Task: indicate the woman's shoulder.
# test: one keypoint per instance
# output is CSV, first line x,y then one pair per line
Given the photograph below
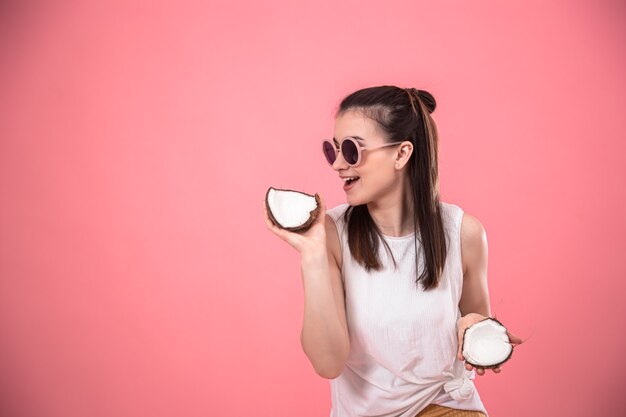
x,y
450,209
452,215
463,223
448,206
337,211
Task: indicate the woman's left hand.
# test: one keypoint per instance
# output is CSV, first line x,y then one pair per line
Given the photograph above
x,y
467,321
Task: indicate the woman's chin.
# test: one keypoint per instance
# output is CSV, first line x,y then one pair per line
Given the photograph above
x,y
354,200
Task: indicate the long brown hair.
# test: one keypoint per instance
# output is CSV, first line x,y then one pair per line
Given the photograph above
x,y
403,114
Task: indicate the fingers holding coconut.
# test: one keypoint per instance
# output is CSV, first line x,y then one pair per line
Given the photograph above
x,y
515,340
481,371
281,233
292,238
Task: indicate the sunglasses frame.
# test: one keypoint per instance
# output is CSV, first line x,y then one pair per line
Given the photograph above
x,y
359,148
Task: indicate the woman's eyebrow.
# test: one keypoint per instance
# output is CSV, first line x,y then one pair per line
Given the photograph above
x,y
358,139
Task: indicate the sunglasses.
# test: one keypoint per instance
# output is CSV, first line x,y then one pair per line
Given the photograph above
x,y
350,149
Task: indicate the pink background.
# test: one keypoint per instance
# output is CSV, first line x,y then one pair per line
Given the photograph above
x,y
137,140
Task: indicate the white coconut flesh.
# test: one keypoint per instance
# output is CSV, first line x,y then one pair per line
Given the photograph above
x,y
486,343
290,208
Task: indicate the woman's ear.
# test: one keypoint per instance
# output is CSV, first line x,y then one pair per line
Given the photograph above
x,y
405,151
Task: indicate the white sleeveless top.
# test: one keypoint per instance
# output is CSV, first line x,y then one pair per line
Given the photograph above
x,y
403,340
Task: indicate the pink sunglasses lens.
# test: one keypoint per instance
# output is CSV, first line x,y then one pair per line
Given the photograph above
x,y
329,152
350,151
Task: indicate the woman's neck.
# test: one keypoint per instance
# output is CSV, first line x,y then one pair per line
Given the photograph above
x,y
391,217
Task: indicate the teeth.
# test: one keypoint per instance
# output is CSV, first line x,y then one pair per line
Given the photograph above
x,y
349,178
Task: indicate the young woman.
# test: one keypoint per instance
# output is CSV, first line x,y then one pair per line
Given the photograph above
x,y
386,326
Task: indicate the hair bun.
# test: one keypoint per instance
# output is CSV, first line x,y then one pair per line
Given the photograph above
x,y
428,100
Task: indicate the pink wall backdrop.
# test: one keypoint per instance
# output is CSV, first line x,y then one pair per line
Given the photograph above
x,y
137,140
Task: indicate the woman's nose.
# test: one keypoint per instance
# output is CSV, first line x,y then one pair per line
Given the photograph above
x,y
339,162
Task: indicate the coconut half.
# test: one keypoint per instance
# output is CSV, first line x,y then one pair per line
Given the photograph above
x,y
292,210
486,344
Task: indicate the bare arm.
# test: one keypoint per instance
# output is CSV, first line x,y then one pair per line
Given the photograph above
x,y
324,334
474,304
475,296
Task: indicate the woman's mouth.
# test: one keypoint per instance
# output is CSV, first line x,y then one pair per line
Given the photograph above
x,y
350,183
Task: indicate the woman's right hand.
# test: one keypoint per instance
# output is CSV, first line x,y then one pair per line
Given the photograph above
x,y
313,240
